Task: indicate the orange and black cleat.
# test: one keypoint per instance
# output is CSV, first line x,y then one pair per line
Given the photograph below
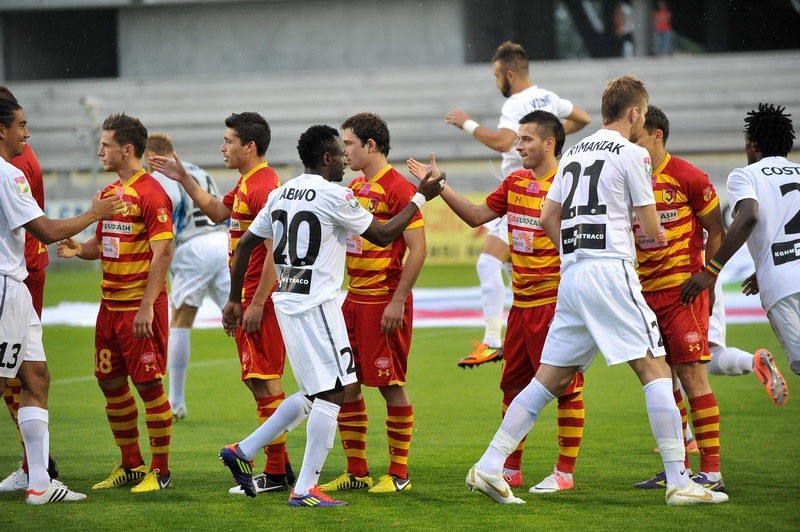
x,y
481,355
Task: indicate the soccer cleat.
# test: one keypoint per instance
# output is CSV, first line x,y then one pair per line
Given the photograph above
x,y
180,413
481,355
693,494
552,483
657,482
493,486
16,481
514,480
391,484
153,481
314,498
691,447
347,481
263,484
770,376
713,485
56,492
120,476
241,468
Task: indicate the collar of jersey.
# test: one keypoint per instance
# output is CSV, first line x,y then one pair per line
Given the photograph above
x,y
546,176
663,164
254,170
381,173
132,180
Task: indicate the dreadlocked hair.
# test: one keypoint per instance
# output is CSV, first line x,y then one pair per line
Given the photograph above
x,y
769,130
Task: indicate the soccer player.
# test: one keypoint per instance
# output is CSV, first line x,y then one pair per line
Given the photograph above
x,y
535,284
259,342
378,309
135,249
21,351
36,260
687,206
600,307
514,82
305,223
766,200
199,266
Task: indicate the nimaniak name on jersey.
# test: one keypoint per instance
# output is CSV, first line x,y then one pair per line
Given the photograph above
x,y
604,145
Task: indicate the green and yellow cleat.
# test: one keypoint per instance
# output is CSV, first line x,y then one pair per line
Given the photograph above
x,y
120,476
347,481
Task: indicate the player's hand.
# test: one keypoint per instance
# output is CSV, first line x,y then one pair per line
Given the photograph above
x,y
68,248
143,322
251,321
419,170
392,317
750,286
231,317
430,186
172,167
457,117
692,286
103,209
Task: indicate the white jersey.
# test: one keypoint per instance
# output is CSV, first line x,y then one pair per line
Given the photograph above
x,y
308,219
17,207
598,183
518,105
188,220
774,182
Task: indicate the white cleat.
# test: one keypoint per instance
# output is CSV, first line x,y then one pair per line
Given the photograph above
x,y
16,481
180,413
56,492
493,486
694,493
553,483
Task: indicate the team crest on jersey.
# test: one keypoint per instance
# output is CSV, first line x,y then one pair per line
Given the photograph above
x,y
148,358
707,193
352,201
22,186
648,167
692,337
162,215
383,363
668,196
372,206
534,187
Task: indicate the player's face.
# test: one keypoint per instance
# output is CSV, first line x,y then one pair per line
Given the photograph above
x,y
111,153
638,124
750,150
647,140
530,146
17,134
338,162
356,152
501,78
233,151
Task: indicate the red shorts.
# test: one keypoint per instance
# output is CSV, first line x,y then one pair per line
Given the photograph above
x,y
381,359
262,354
118,354
684,328
35,283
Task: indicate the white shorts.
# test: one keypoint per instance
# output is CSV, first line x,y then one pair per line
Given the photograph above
x,y
717,326
200,266
784,316
20,328
498,228
318,348
600,308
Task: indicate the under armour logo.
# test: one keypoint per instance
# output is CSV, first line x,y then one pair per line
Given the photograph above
x,y
694,347
383,373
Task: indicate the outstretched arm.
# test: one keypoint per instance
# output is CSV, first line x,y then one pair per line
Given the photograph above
x,y
173,168
48,231
497,139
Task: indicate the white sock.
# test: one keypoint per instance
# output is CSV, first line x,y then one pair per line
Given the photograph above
x,y
320,430
287,416
665,422
33,424
180,350
729,361
518,421
493,294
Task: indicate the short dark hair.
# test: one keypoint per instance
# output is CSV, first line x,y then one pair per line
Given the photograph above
x,y
769,130
550,124
7,108
251,127
160,144
620,94
315,142
513,57
656,119
127,130
5,94
367,126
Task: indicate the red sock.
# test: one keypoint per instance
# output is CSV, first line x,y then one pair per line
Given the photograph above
x,y
705,420
123,416
571,416
158,415
684,423
276,450
399,428
353,431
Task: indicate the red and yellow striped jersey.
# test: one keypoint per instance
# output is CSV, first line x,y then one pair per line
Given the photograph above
x,y
125,239
375,271
683,194
534,258
244,201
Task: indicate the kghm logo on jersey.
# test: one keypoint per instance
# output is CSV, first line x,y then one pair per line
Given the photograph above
x,y
783,252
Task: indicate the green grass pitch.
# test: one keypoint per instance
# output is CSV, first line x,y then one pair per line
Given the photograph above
x,y
456,414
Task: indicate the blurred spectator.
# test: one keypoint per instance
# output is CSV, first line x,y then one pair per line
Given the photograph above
x,y
662,22
623,27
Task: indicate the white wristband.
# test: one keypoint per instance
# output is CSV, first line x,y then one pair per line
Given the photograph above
x,y
470,126
418,200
